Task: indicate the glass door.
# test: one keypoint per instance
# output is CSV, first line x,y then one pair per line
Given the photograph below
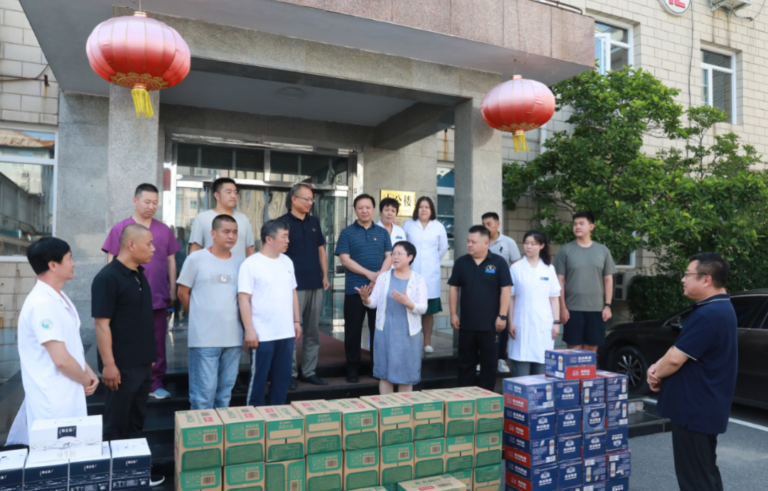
x,y
331,209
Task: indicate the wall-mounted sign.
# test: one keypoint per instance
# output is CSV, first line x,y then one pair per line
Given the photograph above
x,y
406,199
676,7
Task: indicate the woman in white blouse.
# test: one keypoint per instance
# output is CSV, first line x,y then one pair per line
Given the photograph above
x,y
534,309
431,241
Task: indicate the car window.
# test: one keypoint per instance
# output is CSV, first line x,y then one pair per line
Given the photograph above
x,y
745,308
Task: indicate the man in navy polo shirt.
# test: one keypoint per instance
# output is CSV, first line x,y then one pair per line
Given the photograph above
x,y
697,377
364,249
307,251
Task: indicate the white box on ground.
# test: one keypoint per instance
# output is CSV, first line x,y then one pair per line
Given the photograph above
x,y
91,473
41,474
65,438
131,463
12,469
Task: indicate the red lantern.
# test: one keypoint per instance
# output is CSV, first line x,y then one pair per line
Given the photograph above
x,y
518,106
140,54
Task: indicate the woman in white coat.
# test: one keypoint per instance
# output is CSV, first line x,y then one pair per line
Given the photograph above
x,y
431,241
534,309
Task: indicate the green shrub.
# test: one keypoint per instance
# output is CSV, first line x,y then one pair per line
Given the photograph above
x,y
655,297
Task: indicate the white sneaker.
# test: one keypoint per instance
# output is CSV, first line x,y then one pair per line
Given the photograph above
x,y
503,368
428,349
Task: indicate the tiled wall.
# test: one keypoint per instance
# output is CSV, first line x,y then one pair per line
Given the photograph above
x,y
16,281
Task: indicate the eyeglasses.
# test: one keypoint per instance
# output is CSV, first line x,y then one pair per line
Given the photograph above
x,y
308,200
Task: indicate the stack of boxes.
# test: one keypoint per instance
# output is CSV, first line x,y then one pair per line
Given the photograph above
x,y
567,429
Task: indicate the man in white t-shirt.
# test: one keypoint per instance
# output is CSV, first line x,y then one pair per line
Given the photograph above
x,y
269,309
54,373
225,191
208,292
388,209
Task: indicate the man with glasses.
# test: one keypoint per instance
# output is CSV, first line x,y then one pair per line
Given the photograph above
x,y
696,378
307,251
225,191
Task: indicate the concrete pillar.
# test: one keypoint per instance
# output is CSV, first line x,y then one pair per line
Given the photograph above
x,y
133,152
477,171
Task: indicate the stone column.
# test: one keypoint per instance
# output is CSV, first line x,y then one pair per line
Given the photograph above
x,y
133,152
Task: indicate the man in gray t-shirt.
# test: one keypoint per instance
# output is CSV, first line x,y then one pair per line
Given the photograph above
x,y
208,292
585,270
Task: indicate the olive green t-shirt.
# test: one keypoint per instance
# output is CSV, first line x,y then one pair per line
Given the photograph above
x,y
584,269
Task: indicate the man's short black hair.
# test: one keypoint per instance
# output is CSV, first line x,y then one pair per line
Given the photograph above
x,y
363,196
389,202
480,229
491,214
410,249
220,182
584,214
218,222
272,227
712,264
45,250
150,188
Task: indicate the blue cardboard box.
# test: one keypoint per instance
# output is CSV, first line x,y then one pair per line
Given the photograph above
x,y
569,447
617,439
528,394
619,465
542,478
131,463
51,475
574,488
595,486
569,420
12,470
616,386
593,391
570,364
533,452
91,473
530,426
566,392
594,444
617,414
594,418
617,485
570,473
594,469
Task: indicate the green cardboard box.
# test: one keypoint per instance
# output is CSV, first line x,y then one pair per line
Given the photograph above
x,y
443,482
360,425
322,425
429,458
198,440
459,453
395,419
199,480
464,476
284,433
487,478
396,464
325,471
361,468
243,435
459,411
249,477
428,415
286,475
488,449
489,409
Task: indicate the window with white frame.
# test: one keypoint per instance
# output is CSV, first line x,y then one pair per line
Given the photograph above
x,y
613,47
445,192
27,188
719,82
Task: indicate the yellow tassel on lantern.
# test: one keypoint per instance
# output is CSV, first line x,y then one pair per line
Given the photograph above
x,y
520,142
141,101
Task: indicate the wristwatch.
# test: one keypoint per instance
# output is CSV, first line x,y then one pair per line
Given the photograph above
x,y
609,305
558,322
503,317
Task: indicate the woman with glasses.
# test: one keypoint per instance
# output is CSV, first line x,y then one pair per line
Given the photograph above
x,y
534,309
400,298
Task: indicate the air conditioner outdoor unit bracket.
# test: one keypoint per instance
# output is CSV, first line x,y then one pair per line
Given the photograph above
x,y
730,6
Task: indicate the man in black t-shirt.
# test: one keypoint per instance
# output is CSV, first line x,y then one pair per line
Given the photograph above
x,y
485,283
125,334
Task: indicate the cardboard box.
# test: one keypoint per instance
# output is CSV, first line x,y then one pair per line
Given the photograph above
x,y
570,364
199,479
442,482
569,420
286,475
569,446
43,474
594,418
459,411
65,438
488,447
570,473
12,470
131,464
529,394
373,488
592,391
243,435
594,470
360,425
249,476
595,486
616,414
464,476
530,426
487,478
325,471
429,458
593,444
567,392
617,485
533,453
428,415
526,478
489,409
617,439
459,453
284,433
395,419
91,473
361,468
619,465
616,386
198,440
396,465
322,425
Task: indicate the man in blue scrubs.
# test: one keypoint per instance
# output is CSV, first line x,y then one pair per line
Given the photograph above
x,y
697,377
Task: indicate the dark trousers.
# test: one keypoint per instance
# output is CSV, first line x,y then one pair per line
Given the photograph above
x,y
354,312
126,408
695,460
478,347
273,360
503,343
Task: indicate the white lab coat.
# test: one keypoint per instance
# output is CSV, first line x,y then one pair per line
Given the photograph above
x,y
396,235
431,245
533,318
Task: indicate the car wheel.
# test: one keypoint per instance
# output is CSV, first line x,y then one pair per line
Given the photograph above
x,y
631,362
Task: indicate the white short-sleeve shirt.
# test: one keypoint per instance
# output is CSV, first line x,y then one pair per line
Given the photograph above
x,y
271,283
203,224
396,235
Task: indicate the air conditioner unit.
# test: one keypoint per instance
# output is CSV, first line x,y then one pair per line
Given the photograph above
x,y
730,6
621,282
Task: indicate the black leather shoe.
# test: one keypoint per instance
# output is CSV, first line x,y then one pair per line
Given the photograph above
x,y
353,379
294,384
315,380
